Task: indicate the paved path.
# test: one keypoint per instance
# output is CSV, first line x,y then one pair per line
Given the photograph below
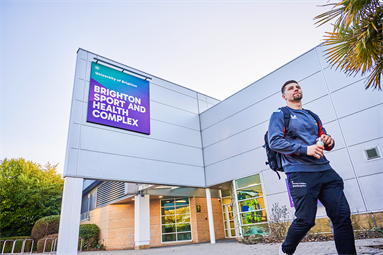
x,y
232,247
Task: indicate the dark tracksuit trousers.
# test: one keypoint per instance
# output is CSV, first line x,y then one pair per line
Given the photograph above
x,y
327,186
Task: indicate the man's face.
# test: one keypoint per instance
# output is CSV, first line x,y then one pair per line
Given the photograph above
x,y
293,92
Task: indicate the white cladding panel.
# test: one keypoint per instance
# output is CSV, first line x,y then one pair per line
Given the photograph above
x,y
340,162
373,190
353,196
362,166
298,69
171,154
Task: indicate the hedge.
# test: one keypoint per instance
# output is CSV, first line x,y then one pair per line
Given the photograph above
x,y
89,232
18,246
45,226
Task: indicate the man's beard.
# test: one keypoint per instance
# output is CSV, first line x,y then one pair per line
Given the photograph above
x,y
298,97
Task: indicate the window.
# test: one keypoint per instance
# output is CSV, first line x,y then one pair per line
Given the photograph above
x,y
175,220
251,205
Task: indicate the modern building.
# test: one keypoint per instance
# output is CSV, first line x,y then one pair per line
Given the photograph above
x,y
181,166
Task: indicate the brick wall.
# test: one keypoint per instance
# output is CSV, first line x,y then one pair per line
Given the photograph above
x,y
200,223
116,224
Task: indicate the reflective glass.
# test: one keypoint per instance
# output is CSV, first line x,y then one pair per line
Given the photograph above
x,y
233,232
247,181
183,218
167,202
231,215
168,228
225,193
184,236
183,210
262,229
231,224
252,204
169,238
183,227
182,202
226,200
253,217
168,211
251,192
168,219
226,233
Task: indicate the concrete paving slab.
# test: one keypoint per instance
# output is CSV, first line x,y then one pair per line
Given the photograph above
x,y
232,247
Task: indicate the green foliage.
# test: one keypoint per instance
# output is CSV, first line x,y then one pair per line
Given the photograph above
x,y
28,192
357,38
18,245
89,232
45,226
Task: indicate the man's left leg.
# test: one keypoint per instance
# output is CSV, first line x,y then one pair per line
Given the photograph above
x,y
338,210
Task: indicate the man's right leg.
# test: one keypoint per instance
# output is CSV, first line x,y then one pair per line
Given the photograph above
x,y
304,190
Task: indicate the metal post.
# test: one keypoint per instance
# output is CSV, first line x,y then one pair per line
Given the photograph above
x,y
210,215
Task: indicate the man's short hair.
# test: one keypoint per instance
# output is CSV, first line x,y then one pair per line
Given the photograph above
x,y
287,83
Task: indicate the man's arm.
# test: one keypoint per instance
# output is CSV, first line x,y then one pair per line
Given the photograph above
x,y
276,140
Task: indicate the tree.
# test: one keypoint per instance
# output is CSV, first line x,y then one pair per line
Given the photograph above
x,y
28,192
357,38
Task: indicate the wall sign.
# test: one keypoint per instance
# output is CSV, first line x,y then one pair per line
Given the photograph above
x,y
118,99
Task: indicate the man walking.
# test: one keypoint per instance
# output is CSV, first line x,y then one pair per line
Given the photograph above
x,y
309,173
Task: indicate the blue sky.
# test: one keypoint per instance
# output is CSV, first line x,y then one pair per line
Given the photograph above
x,y
214,47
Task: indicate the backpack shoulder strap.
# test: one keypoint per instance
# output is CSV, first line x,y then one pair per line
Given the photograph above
x,y
316,117
286,117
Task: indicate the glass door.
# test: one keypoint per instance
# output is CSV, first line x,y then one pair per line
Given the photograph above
x,y
229,221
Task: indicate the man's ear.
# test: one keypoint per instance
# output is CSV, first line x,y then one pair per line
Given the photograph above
x,y
284,97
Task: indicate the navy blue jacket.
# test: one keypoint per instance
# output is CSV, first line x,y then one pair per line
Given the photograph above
x,y
294,150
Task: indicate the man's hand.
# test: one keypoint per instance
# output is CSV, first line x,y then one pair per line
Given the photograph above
x,y
315,150
328,141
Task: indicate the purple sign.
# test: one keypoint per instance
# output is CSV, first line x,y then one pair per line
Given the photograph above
x,y
118,99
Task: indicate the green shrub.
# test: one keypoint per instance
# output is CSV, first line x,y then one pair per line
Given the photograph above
x,y
89,232
18,245
45,226
49,243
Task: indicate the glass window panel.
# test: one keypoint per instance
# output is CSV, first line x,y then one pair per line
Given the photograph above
x,y
169,238
182,202
167,202
253,217
252,204
225,193
251,192
183,227
224,215
168,219
233,232
262,229
184,236
226,233
231,224
226,200
167,211
168,228
247,181
183,210
230,215
183,218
